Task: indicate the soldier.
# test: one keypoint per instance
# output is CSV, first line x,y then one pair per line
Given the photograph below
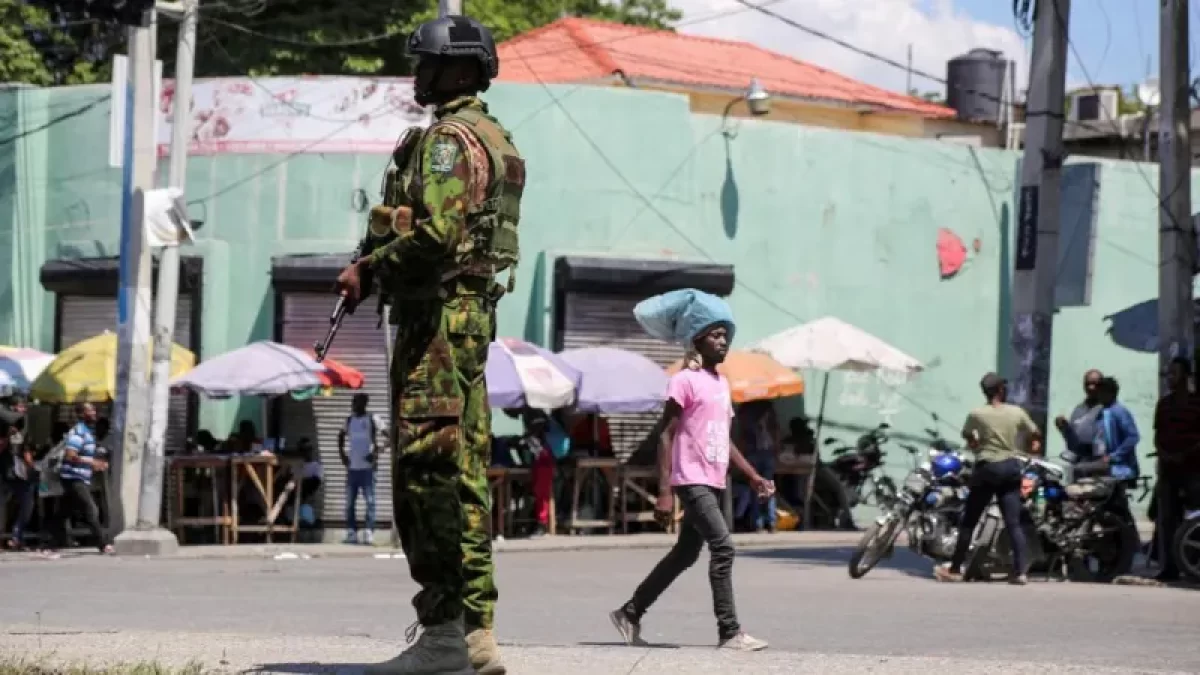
x,y
447,228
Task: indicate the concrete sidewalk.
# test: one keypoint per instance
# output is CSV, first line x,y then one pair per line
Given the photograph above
x,y
547,544
217,653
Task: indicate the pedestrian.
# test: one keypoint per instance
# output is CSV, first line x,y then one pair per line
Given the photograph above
x,y
80,464
995,432
448,226
361,461
695,450
19,479
1079,429
760,437
1177,440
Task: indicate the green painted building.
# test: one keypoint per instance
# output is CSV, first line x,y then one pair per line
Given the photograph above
x,y
629,192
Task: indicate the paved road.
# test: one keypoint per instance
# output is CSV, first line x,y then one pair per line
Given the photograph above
x,y
553,615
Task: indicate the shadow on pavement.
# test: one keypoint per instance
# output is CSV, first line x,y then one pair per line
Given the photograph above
x,y
648,645
310,668
902,560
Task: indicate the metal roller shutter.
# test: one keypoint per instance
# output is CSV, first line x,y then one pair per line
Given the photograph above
x,y
361,345
86,316
595,320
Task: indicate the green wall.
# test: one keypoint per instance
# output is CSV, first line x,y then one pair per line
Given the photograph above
x,y
816,222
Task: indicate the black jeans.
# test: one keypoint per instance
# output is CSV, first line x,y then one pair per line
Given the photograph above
x,y
23,493
1177,492
703,521
77,500
1001,480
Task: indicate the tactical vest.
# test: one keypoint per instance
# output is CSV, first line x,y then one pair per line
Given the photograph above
x,y
491,245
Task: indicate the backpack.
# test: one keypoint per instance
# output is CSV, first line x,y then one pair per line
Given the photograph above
x,y
374,426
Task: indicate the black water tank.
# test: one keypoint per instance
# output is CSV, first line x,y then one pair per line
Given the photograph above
x,y
975,85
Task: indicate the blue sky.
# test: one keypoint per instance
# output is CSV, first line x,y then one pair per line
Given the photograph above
x,y
1112,37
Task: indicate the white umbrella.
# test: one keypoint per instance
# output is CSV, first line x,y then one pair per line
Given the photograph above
x,y
20,366
830,344
259,369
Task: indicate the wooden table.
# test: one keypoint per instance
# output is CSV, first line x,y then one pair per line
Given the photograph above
x,y
222,518
260,470
641,484
500,482
591,467
803,466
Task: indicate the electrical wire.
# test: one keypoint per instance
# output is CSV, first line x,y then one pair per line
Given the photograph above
x,y
682,234
54,121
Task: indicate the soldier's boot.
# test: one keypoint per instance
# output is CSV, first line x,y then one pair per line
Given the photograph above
x,y
484,652
441,650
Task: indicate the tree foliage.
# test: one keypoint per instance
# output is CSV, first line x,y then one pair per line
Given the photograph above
x,y
49,42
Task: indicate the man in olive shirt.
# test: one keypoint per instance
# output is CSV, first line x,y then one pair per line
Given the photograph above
x,y
995,432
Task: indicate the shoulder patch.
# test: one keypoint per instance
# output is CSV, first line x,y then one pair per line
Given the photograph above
x,y
443,154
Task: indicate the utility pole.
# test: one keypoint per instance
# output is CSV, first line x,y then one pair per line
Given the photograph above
x,y
1176,238
450,7
1038,222
148,538
129,419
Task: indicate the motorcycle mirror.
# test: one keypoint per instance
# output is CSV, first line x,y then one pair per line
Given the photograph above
x,y
884,425
934,416
829,441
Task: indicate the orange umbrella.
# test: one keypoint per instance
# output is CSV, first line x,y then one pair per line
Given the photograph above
x,y
339,375
755,377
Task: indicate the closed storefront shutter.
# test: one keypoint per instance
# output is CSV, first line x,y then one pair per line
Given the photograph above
x,y
86,316
360,345
606,320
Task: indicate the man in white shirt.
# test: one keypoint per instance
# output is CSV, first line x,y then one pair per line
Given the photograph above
x,y
362,430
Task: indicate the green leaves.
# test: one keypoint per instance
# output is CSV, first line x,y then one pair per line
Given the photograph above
x,y
51,43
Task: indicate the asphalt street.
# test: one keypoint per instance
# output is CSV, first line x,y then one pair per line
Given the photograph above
x,y
305,615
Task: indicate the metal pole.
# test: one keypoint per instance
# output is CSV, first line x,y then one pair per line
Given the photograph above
x,y
908,90
166,299
1177,242
1038,224
389,344
129,419
450,7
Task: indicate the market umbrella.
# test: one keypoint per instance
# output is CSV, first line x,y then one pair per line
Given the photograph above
x,y
520,374
87,372
259,369
755,377
20,366
831,344
616,381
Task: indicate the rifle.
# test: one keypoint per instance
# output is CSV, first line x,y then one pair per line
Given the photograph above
x,y
343,306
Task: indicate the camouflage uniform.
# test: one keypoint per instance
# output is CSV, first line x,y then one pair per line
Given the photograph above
x,y
462,180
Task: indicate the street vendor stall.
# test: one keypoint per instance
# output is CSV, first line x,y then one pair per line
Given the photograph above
x,y
830,344
260,369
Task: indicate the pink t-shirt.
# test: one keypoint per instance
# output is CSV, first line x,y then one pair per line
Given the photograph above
x,y
700,453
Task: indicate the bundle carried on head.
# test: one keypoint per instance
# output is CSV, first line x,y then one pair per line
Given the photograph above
x,y
683,316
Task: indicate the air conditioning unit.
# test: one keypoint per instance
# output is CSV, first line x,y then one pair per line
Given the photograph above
x,y
1095,105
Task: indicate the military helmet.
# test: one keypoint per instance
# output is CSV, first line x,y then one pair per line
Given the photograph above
x,y
456,36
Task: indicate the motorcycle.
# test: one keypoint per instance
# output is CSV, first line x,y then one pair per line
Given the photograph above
x,y
1082,528
859,469
928,508
1187,545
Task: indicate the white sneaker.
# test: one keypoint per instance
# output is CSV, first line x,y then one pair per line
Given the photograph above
x,y
743,643
351,537
441,650
369,538
630,632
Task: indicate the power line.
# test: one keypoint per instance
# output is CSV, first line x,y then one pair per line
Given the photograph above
x,y
54,121
896,64
649,204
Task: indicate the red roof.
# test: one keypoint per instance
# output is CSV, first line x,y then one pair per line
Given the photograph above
x,y
578,50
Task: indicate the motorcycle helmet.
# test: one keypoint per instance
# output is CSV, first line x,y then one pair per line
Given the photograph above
x,y
945,465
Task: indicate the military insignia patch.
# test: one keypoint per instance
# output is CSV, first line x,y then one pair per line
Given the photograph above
x,y
443,155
